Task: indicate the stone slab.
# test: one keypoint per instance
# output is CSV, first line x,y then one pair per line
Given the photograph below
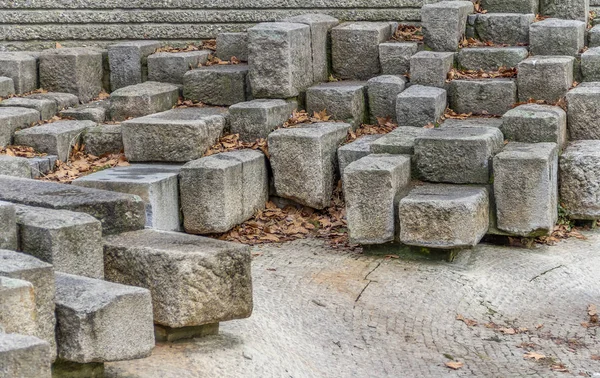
x,y
430,68
420,105
15,166
444,24
46,108
504,28
142,99
490,58
486,96
545,77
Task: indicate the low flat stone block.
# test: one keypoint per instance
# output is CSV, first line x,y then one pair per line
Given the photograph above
x,y
504,28
220,85
590,64
444,24
545,77
99,321
15,118
566,9
511,6
395,57
231,45
256,119
431,68
532,123
382,92
129,62
94,111
398,142
103,139
46,108
419,105
490,58
356,150
24,356
343,100
62,100
487,96
557,37
580,179
21,68
193,280
583,112
7,87
167,67
15,166
8,226
142,99
18,313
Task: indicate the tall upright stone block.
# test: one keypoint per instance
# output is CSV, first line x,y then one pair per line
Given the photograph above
x,y
8,226
444,24
557,37
344,101
566,9
21,68
545,77
129,62
166,67
24,356
580,179
590,65
431,68
382,93
231,45
583,112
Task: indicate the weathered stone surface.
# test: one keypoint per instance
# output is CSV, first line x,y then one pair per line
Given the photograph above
x,y
256,119
356,150
15,166
398,142
526,188
486,96
567,9
419,105
72,70
99,321
8,226
62,100
444,24
395,57
21,68
557,37
382,92
142,99
129,62
94,111
193,280
7,87
279,58
511,6
14,118
461,155
473,122
504,28
24,356
532,123
42,165
167,67
545,77
46,108
594,36
490,58
177,135
18,313
118,212
429,216
355,49
304,162
343,100
231,45
222,190
373,187
590,64
431,68
221,85
580,179
584,112
103,139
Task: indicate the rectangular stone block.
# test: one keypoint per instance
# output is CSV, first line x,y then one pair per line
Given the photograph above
x,y
8,226
420,105
342,100
62,100
193,280
221,85
490,58
7,87
129,62
594,36
46,108
24,356
395,57
431,68
590,64
103,139
566,9
526,188
231,45
473,122
382,92
42,165
532,123
486,96
444,24
14,118
18,313
545,77
167,67
94,111
256,119
21,68
142,99
356,150
398,142
583,112
15,166
504,28
580,179
511,6
557,37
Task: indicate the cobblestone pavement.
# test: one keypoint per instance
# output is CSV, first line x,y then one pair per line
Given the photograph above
x,y
324,313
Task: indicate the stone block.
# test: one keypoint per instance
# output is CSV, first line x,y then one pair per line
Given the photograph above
x,y
566,9
95,111
304,162
382,92
343,100
99,321
7,87
580,179
177,135
193,280
461,155
15,166
15,118
142,99
21,68
511,6
118,212
594,36
24,356
72,70
526,188
473,122
222,190
231,45
157,185
46,108
532,123
221,85
419,105
55,138
395,57
444,216
355,49
557,37
373,187
431,68
167,67
486,96
545,77
444,24
103,139
584,112
356,150
62,100
490,58
42,165
18,313
504,28
590,64
279,58
8,226
256,119
129,62
401,141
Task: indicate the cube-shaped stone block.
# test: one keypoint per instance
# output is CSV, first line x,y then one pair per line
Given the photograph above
x,y
18,312
356,150
304,162
15,166
142,99
419,105
401,141
504,28
256,119
46,108
167,67
526,188
24,356
8,226
14,118
444,216
231,45
487,96
21,68
533,123
557,37
431,68
395,57
193,280
590,64
580,179
490,58
343,100
444,24
511,6
220,85
566,9
382,92
103,139
7,86
177,135
545,77
584,112
129,62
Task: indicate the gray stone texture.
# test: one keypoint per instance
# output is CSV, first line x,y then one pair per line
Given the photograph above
x,y
231,45
256,119
395,57
580,179
193,280
431,68
42,165
532,123
486,96
545,77
8,226
401,141
504,28
511,6
444,24
18,312
583,112
590,64
24,356
7,86
343,100
129,62
382,92
526,188
15,166
594,36
94,111
566,9
142,99
14,118
420,105
490,58
103,139
21,68
473,122
46,108
355,150
556,37
167,67
221,85
62,100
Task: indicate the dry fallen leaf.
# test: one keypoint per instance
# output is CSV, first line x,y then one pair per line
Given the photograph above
x,y
454,365
468,322
533,355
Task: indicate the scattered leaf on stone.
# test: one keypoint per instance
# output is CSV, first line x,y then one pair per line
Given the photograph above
x,y
468,322
232,142
595,357
593,313
507,331
539,17
213,60
454,365
20,151
409,33
502,72
478,7
561,368
383,126
102,96
533,356
181,103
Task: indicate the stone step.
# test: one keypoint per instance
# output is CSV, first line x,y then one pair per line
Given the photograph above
x,y
129,62
15,166
399,142
18,312
7,86
62,100
533,123
510,6
430,68
231,45
256,119
142,99
583,112
590,64
557,37
420,105
94,111
487,96
103,139
24,356
342,100
394,57
504,28
8,226
46,108
490,58
356,150
219,85
545,78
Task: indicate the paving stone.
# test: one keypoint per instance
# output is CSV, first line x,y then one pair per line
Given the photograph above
x,y
490,58
557,37
419,105
231,45
545,77
444,24
373,187
221,85
99,321
7,87
504,28
142,99
72,70
41,275
118,212
566,9
594,36
461,155
356,150
430,213
222,190
193,280
590,64
526,188
24,356
431,68
95,111
532,123
487,96
511,6
167,67
54,138
14,118
129,62
280,59
8,226
382,92
103,139
343,100
304,162
355,49
46,108
21,68
156,184
256,119
18,313
395,57
62,100
401,141
15,166
177,135
580,179
584,112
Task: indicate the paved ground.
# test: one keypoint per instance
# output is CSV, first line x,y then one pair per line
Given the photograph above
x,y
324,313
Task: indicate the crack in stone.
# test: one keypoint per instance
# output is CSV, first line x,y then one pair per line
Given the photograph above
x,y
547,271
368,283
